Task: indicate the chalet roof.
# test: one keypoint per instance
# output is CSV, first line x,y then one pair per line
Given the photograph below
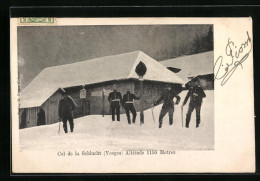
x,y
192,65
98,70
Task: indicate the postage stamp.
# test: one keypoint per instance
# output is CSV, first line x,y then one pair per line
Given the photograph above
x,y
37,21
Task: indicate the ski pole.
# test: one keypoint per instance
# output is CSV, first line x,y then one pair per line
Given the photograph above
x,y
153,114
182,115
59,127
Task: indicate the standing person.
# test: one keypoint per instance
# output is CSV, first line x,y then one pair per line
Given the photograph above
x,y
196,94
66,106
128,103
115,99
168,104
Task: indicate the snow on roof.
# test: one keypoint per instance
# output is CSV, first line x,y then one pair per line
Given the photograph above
x,y
109,68
192,65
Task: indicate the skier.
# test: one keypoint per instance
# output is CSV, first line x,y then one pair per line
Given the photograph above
x,y
128,104
115,99
196,94
41,117
168,104
66,106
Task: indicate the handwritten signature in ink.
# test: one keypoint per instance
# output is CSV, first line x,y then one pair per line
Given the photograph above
x,y
224,69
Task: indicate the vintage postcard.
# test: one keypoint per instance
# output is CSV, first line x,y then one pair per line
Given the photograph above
x,y
132,95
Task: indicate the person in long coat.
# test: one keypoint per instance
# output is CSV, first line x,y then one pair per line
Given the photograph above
x,y
128,103
196,95
66,106
115,99
168,104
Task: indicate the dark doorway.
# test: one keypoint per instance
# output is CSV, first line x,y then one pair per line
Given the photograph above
x,y
85,107
41,117
23,119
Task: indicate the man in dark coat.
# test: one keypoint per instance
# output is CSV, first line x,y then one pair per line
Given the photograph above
x,y
66,106
128,103
168,104
115,99
196,94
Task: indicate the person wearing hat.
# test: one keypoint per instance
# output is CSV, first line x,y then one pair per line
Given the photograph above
x,y
128,103
115,98
196,95
168,104
66,106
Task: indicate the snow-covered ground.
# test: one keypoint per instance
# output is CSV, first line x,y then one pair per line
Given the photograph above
x,y
96,132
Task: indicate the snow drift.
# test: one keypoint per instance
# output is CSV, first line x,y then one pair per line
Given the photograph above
x,y
95,132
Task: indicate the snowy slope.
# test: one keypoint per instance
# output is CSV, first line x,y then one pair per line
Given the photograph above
x,y
95,132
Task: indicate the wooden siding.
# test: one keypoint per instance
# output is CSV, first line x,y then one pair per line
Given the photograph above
x,y
31,117
94,100
152,91
93,103
50,107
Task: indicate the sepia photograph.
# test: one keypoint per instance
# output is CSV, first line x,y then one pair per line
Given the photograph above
x,y
132,95
133,87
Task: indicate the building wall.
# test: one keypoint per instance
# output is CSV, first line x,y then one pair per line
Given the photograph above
x,y
206,80
30,117
50,107
93,103
209,81
96,102
152,91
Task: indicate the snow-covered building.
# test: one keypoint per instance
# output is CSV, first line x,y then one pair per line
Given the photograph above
x,y
199,65
97,77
